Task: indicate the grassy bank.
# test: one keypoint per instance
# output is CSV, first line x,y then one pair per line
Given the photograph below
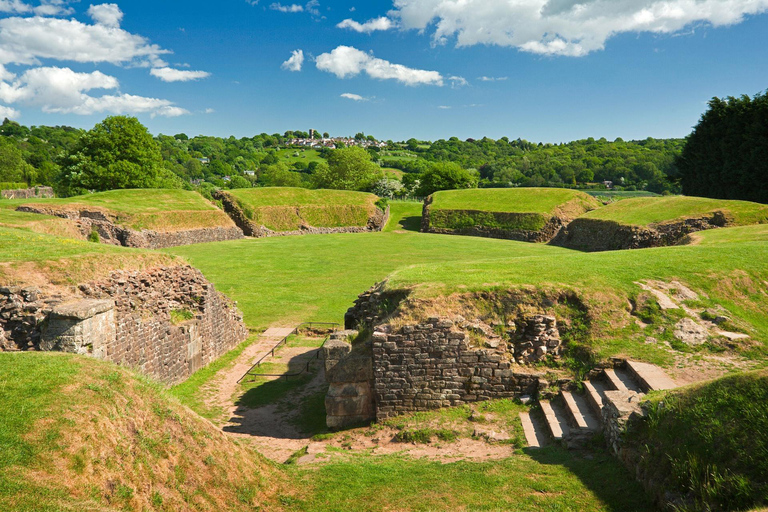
x,y
517,200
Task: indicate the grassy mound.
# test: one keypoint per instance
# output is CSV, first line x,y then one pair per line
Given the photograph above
x,y
520,214
35,259
708,443
290,209
649,211
81,434
153,209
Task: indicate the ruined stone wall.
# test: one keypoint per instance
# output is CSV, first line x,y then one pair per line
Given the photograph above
x,y
605,235
27,193
431,365
349,372
127,319
89,221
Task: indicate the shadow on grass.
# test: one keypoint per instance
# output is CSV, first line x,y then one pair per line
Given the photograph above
x,y
265,407
410,223
602,474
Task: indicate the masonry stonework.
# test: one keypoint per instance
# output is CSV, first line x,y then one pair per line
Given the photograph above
x,y
129,319
27,193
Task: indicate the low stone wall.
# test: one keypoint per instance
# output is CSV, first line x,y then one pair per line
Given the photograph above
x,y
27,193
349,372
127,319
431,221
375,223
431,365
89,221
604,235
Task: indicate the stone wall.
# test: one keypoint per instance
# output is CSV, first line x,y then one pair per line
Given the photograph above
x,y
129,319
375,223
27,193
349,372
604,235
431,365
90,220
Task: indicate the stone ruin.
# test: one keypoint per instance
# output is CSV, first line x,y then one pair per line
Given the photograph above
x,y
536,338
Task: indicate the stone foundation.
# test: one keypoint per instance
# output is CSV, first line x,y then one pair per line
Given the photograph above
x,y
89,221
537,338
349,401
129,319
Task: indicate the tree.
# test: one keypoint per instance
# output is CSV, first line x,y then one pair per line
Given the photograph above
x,y
726,156
446,176
117,153
13,168
348,169
239,182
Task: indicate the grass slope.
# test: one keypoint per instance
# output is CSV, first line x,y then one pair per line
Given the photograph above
x,y
287,209
81,434
644,211
516,200
155,209
709,442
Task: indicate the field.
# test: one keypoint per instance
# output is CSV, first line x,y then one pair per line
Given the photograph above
x,y
645,211
288,209
155,209
289,156
518,200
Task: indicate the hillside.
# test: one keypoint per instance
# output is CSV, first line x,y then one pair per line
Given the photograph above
x,y
705,445
525,214
284,209
80,434
656,221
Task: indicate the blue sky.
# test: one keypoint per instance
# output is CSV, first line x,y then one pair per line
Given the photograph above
x,y
543,70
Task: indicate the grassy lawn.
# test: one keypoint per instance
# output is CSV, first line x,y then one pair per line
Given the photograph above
x,y
642,211
317,277
289,196
544,480
304,155
519,200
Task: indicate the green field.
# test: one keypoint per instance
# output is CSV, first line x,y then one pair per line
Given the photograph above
x,y
304,155
517,200
645,211
157,209
288,196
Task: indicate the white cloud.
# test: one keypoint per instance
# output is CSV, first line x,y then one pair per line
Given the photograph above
x,y
108,15
14,6
458,81
178,75
295,62
8,112
562,27
382,23
210,111
46,8
444,107
287,8
61,90
492,78
345,61
27,40
354,97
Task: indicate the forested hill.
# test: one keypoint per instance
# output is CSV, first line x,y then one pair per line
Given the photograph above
x,y
644,165
34,155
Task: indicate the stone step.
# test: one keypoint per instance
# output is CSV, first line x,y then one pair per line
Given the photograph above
x,y
555,419
628,379
535,432
595,395
612,380
649,376
578,410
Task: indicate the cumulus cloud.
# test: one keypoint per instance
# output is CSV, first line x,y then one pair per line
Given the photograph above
x,y
382,23
27,40
295,62
167,74
346,61
562,27
108,15
61,90
458,81
9,113
287,8
353,97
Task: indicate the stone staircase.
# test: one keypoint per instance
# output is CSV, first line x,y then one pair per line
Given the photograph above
x,y
573,418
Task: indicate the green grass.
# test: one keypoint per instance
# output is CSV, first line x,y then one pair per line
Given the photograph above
x,y
710,440
317,277
305,155
289,196
544,480
404,216
615,195
515,200
19,245
643,211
